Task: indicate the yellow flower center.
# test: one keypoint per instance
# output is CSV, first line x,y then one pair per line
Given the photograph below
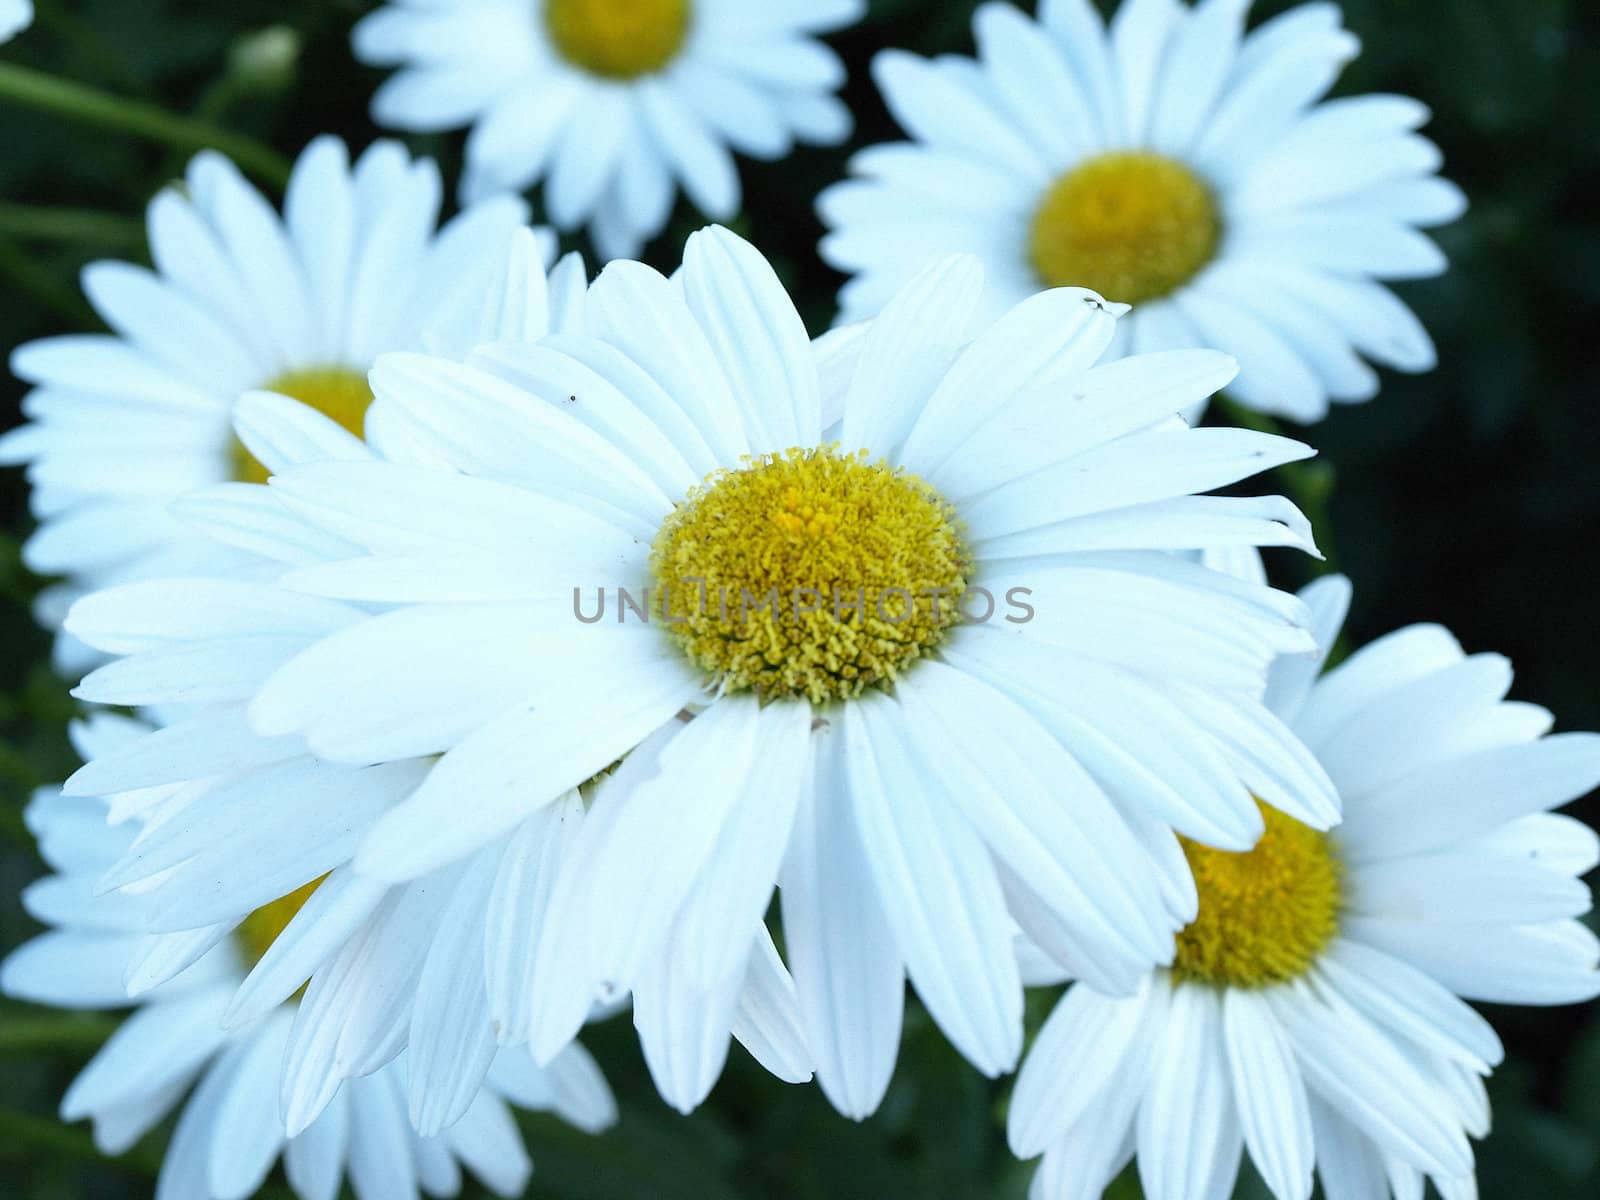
x,y
338,393
1265,914
620,39
256,933
1133,226
809,573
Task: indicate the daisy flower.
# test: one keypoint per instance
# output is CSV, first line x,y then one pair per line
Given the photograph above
x,y
1314,1013
438,966
15,16
123,423
614,103
948,676
175,1051
1172,162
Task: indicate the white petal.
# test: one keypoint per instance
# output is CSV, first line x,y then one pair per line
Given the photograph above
x,y
334,911
1269,1095
1353,1066
1078,1054
516,919
767,1022
734,888
684,1029
757,336
1186,1125
452,1041
939,891
516,764
847,970
640,852
906,351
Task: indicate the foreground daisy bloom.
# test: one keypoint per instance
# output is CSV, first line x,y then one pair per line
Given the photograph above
x,y
121,424
1311,1015
176,1050
613,103
15,16
947,675
1172,163
232,821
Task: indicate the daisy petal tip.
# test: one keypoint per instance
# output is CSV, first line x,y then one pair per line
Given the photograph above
x,y
267,717
891,67
82,781
296,1122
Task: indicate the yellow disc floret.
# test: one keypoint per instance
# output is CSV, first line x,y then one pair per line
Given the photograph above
x,y
1133,226
1265,914
619,39
809,573
338,393
257,932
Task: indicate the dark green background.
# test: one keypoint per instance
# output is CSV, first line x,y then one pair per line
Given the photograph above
x,y
1467,496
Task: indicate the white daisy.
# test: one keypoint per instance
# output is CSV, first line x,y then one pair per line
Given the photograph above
x,y
123,423
917,782
440,966
615,103
1171,162
176,1045
1312,1014
15,16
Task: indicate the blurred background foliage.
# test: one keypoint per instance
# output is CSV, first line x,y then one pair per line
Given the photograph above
x,y
1468,496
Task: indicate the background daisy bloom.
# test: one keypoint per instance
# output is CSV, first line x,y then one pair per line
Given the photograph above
x,y
123,423
1172,163
614,103
175,1045
916,782
1311,1014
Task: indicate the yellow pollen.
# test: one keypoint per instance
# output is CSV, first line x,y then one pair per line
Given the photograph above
x,y
1131,225
260,929
338,393
809,573
1265,914
620,39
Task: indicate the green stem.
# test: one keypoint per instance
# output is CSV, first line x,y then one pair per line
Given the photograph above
x,y
79,102
74,225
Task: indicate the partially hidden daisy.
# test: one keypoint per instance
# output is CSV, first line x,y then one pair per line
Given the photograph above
x,y
122,423
946,675
15,16
613,104
232,821
1314,1012
177,1053
1172,162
